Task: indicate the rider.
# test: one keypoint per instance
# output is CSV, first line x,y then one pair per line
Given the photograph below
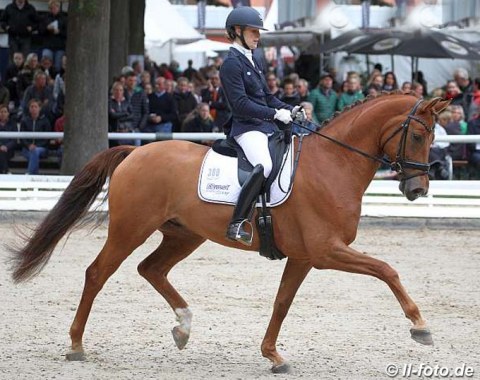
x,y
254,110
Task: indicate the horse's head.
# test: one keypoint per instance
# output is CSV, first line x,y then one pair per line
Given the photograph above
x,y
410,155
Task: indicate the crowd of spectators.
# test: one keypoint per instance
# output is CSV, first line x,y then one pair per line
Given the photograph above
x,y
192,100
153,97
32,92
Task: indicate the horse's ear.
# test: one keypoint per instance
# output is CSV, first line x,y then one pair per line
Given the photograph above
x,y
436,105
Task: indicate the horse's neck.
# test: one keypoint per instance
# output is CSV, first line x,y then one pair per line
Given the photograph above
x,y
357,128
352,130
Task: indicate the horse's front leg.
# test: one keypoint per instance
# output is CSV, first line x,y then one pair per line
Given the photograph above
x,y
293,275
344,258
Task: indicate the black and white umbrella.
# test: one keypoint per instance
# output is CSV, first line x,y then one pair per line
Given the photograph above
x,y
356,38
420,43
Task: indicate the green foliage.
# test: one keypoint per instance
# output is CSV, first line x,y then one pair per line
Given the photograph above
x,y
86,8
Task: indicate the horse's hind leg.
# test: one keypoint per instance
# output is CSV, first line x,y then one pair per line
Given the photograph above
x,y
113,253
177,244
344,258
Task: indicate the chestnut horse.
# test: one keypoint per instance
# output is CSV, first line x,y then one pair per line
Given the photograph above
x,y
154,187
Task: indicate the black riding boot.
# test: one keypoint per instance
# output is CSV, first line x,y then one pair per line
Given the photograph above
x,y
246,201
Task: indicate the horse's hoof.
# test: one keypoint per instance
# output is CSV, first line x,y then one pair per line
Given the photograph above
x,y
282,368
422,336
75,356
180,337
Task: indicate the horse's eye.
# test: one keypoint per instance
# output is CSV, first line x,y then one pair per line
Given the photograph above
x,y
417,138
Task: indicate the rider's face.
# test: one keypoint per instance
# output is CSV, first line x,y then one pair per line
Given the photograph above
x,y
252,36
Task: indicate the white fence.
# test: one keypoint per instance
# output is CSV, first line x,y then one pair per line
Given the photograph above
x,y
446,199
190,136
31,192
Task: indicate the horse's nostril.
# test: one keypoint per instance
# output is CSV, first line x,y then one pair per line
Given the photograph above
x,y
415,193
419,191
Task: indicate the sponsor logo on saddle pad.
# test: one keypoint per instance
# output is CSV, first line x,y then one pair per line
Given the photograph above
x,y
213,189
212,186
218,180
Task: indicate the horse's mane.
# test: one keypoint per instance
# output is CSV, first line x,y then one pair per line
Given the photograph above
x,y
362,101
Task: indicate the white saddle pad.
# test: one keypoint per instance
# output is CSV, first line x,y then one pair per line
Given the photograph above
x,y
218,180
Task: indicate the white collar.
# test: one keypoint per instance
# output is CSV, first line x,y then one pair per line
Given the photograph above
x,y
241,49
246,52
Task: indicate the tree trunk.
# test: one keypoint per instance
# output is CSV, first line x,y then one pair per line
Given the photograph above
x,y
86,82
136,44
119,36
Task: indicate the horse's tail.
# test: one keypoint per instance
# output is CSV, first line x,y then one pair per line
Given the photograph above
x,y
74,203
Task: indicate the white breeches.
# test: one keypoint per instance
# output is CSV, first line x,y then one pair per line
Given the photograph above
x,y
255,146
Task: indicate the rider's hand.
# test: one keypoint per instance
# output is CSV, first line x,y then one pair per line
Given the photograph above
x,y
298,114
283,115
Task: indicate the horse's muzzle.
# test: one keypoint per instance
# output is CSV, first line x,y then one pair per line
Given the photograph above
x,y
413,188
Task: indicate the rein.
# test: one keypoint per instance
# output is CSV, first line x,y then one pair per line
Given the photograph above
x,y
295,164
400,162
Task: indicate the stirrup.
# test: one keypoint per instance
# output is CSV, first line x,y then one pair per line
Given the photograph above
x,y
236,232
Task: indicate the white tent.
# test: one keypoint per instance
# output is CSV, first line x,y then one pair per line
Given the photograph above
x,y
164,28
203,46
271,18
198,52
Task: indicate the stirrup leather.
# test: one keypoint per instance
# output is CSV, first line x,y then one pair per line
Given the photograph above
x,y
236,232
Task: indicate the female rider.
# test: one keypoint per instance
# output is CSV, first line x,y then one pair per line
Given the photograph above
x,y
254,110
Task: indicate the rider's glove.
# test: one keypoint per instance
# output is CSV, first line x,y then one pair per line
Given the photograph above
x,y
298,114
283,115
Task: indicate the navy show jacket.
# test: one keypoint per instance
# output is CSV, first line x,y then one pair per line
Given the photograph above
x,y
252,104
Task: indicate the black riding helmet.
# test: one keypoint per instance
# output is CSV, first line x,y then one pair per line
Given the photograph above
x,y
243,17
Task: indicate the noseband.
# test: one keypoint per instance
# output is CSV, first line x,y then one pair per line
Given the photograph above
x,y
400,163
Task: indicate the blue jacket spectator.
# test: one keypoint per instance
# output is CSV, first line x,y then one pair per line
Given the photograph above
x,y
34,149
163,109
33,122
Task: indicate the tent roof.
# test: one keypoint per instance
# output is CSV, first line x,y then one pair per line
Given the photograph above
x,y
203,46
163,24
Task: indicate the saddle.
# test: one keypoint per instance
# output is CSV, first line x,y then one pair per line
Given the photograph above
x,y
278,145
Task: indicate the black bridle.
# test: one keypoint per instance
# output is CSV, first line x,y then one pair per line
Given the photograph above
x,y
400,163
